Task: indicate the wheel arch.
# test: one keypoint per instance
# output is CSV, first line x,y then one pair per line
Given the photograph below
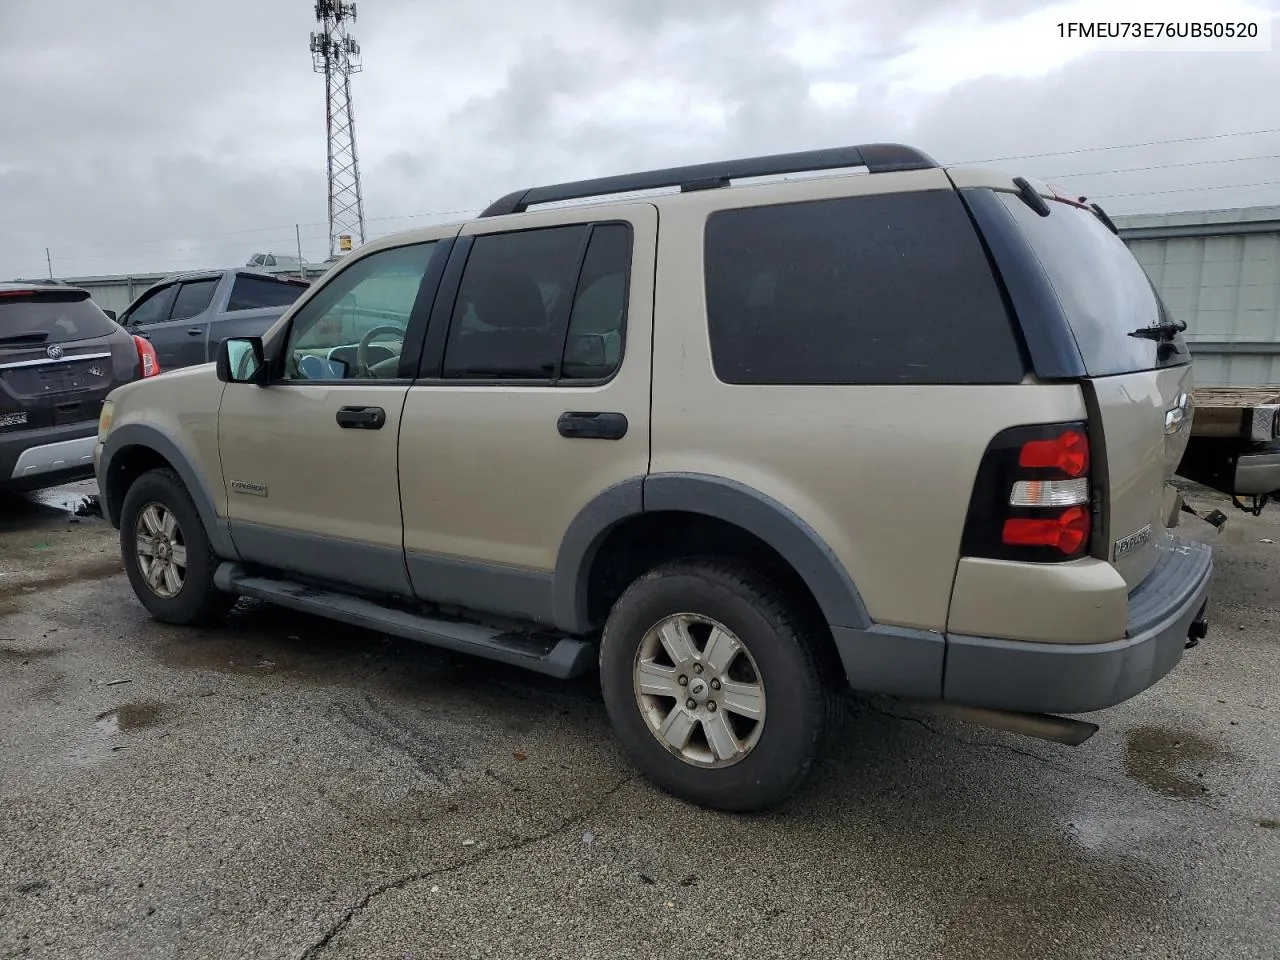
x,y
735,506
134,448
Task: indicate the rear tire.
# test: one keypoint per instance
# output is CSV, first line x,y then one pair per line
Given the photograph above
x,y
167,553
685,714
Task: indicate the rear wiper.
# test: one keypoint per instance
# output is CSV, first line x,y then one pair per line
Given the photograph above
x,y
1160,331
22,339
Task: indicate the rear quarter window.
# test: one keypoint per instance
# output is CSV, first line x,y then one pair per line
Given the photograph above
x,y
884,289
51,317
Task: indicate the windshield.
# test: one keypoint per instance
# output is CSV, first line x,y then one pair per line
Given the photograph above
x,y
43,317
1103,290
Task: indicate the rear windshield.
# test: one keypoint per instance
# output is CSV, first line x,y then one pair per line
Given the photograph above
x,y
31,319
1103,290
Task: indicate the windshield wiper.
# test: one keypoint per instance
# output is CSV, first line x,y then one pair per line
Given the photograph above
x,y
1160,331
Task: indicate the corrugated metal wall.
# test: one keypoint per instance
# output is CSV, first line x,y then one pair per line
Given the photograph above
x,y
1220,272
115,293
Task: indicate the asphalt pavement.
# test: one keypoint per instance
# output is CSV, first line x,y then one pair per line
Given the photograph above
x,y
284,787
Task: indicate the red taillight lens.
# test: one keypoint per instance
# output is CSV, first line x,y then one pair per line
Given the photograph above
x,y
1034,498
1068,531
147,357
1068,452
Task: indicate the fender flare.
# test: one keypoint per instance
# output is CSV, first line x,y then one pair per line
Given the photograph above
x,y
727,500
154,438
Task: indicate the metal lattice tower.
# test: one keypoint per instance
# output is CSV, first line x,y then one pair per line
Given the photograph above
x,y
336,54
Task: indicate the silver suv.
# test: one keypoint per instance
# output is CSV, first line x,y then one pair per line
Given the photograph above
x,y
905,430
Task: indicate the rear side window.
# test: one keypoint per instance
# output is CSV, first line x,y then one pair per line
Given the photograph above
x,y
888,289
546,304
32,319
1103,291
254,293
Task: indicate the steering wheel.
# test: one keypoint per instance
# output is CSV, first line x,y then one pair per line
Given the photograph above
x,y
362,350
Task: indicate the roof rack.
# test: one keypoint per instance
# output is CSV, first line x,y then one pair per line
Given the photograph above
x,y
876,157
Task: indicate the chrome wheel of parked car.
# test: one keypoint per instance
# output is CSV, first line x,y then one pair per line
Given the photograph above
x,y
161,550
699,690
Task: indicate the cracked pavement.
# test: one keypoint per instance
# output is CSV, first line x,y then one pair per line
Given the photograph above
x,y
289,788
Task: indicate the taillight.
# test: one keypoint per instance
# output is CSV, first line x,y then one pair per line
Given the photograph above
x,y
1067,452
147,357
1032,499
1067,531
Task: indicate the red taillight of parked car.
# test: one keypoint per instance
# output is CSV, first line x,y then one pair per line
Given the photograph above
x,y
147,357
1033,497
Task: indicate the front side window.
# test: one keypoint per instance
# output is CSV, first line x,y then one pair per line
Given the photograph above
x,y
354,328
542,305
154,308
193,299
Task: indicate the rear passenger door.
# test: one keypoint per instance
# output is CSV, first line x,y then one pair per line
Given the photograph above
x,y
253,304
533,400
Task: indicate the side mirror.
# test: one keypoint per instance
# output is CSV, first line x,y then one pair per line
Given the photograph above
x,y
111,314
240,360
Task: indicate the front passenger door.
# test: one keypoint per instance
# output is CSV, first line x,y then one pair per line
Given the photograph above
x,y
179,339
150,309
309,461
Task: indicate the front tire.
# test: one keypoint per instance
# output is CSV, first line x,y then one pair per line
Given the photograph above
x,y
167,553
713,685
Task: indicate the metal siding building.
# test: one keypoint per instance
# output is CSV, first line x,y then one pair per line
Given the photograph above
x,y
1219,270
116,292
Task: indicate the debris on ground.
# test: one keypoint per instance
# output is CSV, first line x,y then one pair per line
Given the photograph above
x,y
116,683
89,506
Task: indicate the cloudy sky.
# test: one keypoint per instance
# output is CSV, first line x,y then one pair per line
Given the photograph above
x,y
142,135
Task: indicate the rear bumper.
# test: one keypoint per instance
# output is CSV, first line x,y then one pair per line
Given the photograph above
x,y
1257,473
1080,677
47,456
1233,466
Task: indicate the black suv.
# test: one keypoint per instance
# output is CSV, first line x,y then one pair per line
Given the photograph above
x,y
60,355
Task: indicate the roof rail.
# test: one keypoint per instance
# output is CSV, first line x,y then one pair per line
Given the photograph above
x,y
876,157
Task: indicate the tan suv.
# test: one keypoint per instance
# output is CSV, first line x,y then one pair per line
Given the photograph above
x,y
904,429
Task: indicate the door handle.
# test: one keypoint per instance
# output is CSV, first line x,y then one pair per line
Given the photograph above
x,y
196,332
592,426
361,418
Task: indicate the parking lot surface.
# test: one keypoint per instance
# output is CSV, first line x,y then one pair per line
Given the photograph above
x,y
289,788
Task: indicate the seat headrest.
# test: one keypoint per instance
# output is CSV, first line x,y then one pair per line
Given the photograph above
x,y
506,300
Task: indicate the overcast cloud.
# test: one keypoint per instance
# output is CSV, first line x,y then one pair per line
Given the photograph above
x,y
144,135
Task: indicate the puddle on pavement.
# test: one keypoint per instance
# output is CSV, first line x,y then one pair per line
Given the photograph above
x,y
104,740
1170,762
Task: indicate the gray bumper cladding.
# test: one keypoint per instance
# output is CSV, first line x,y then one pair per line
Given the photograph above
x,y
1075,677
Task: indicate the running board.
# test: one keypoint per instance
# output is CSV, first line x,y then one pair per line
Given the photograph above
x,y
556,657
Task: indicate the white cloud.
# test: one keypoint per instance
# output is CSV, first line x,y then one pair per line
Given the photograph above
x,y
155,135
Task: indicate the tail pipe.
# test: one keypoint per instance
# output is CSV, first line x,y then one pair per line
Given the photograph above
x,y
1043,726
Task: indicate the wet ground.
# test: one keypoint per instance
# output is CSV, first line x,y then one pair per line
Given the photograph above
x,y
287,788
